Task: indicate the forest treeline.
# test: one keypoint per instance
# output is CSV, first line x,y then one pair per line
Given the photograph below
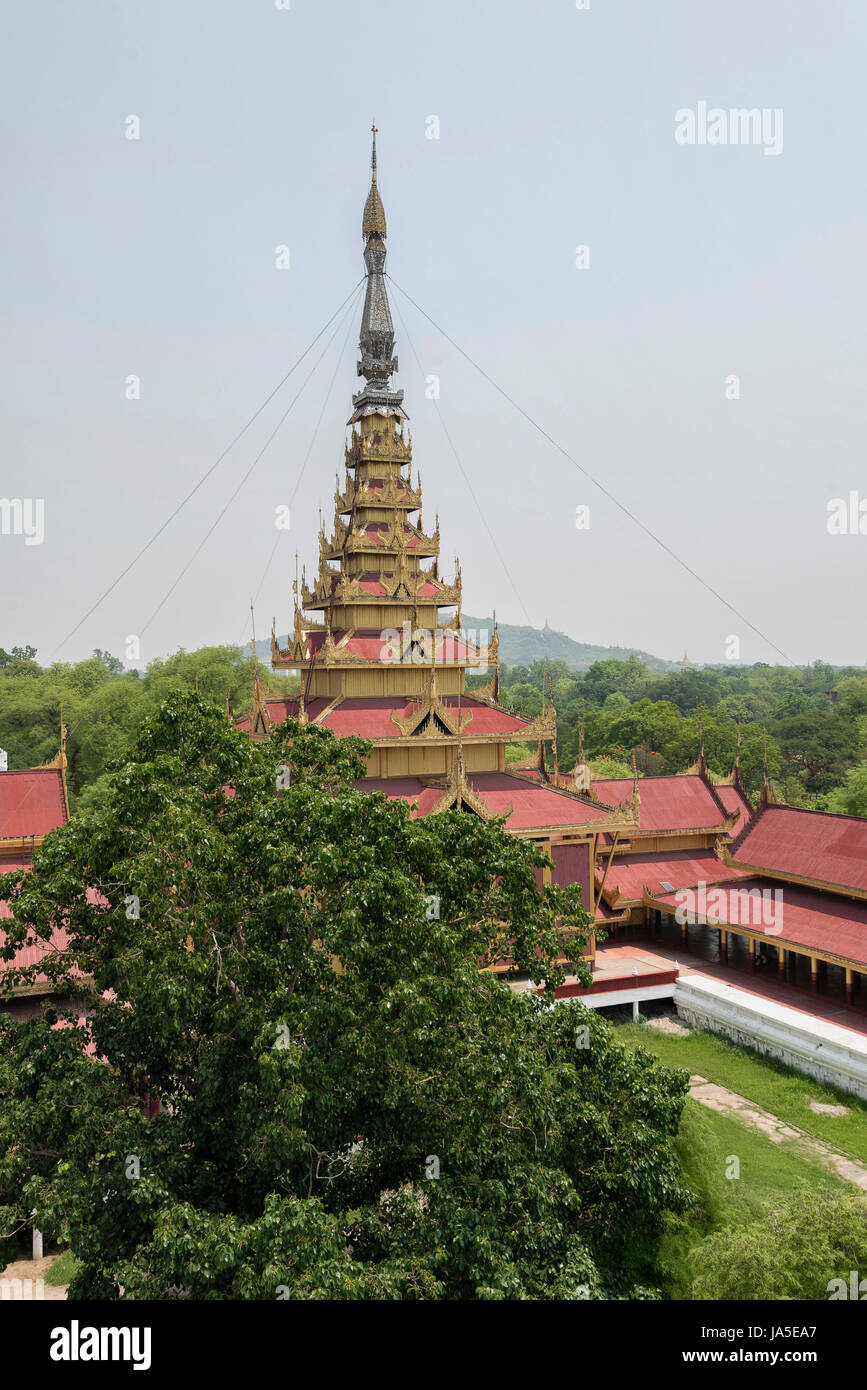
x,y
810,723
102,704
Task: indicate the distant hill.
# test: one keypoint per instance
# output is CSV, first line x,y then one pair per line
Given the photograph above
x,y
521,646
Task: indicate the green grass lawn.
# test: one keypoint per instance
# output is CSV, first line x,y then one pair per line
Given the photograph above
x,y
62,1270
769,1173
773,1086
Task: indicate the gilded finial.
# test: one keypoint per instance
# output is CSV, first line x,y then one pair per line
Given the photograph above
x,y
373,220
254,657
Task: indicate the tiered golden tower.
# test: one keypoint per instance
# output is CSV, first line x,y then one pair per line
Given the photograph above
x,y
377,648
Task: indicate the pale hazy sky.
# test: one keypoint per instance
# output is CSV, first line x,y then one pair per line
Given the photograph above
x,y
156,257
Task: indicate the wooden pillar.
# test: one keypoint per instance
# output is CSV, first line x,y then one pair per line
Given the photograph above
x,y
814,975
723,944
781,963
546,872
849,974
752,953
683,941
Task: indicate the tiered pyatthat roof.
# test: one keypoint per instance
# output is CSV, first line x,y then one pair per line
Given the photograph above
x,y
378,581
377,661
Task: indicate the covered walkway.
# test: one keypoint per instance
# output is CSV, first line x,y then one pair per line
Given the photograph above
x,y
654,954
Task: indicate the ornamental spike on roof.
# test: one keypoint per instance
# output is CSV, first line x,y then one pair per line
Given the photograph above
x,y
374,212
376,340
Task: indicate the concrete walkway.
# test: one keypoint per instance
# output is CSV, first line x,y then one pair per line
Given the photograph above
x,y
727,1102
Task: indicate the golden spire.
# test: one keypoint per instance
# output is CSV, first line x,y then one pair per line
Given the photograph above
x,y
374,213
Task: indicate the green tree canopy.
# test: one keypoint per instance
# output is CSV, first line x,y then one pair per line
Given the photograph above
x,y
794,1252
851,798
349,1107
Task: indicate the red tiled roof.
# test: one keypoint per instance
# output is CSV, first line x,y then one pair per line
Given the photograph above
x,y
487,719
732,799
806,844
683,868
803,917
403,789
370,716
667,803
31,802
278,710
532,805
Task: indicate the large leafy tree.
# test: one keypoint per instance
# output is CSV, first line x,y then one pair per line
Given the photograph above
x,y
818,745
851,798
350,1108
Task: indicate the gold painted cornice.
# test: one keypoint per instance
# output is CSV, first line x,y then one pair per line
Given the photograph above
x,y
394,492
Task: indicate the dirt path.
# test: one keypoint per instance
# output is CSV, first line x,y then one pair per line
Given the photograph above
x,y
727,1102
34,1270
